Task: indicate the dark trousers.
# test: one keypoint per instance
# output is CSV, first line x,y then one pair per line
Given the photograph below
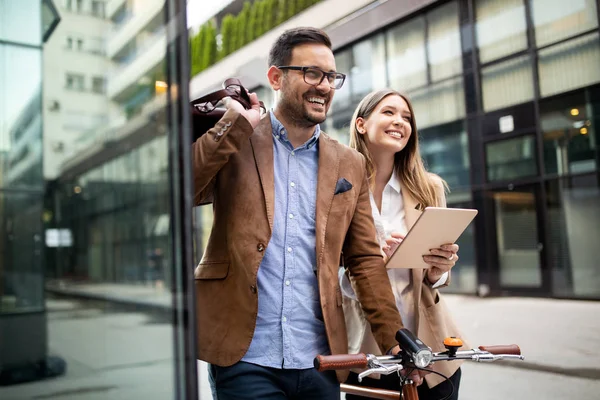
x,y
391,382
250,381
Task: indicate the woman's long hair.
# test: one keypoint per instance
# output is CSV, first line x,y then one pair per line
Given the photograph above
x,y
408,163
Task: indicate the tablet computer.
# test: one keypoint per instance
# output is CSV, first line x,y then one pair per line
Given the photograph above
x,y
434,227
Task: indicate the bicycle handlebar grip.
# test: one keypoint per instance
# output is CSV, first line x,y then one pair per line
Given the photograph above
x,y
502,349
340,361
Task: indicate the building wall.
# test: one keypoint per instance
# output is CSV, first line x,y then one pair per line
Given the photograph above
x,y
75,100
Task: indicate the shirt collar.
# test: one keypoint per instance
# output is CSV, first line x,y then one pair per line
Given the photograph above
x,y
394,182
279,132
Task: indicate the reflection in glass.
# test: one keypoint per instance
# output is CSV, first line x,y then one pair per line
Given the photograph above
x,y
500,28
16,23
507,83
573,215
569,131
553,21
439,103
368,71
569,65
445,150
511,159
517,238
443,42
407,63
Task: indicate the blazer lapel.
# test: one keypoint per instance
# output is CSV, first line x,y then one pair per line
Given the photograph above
x,y
327,178
411,214
262,147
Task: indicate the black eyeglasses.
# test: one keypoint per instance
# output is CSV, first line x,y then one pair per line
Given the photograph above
x,y
314,76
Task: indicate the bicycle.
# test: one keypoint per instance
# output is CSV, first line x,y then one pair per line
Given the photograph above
x,y
414,354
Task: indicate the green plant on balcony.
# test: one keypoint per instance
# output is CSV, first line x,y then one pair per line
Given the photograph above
x,y
255,19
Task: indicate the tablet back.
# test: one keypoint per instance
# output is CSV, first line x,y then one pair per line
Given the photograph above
x,y
436,226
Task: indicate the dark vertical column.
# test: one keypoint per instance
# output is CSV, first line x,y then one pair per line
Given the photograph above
x,y
186,376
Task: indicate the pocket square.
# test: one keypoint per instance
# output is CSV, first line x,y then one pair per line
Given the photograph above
x,y
342,186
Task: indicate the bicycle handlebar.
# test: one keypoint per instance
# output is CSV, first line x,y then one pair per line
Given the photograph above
x,y
502,349
340,361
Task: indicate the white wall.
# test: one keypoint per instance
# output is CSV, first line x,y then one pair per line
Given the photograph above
x,y
74,108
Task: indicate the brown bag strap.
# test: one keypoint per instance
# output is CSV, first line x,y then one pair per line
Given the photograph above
x,y
233,88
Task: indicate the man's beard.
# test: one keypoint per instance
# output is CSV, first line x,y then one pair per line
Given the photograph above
x,y
297,112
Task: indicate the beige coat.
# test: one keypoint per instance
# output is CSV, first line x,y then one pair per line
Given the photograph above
x,y
233,168
433,321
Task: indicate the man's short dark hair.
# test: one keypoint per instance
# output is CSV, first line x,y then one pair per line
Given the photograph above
x,y
281,51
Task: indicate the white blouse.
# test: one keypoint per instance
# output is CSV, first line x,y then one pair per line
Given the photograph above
x,y
391,219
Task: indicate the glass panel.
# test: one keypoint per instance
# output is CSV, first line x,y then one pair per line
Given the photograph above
x,y
573,231
407,64
439,103
21,252
511,159
20,117
500,28
86,264
517,238
443,42
553,21
16,24
445,150
507,83
368,72
569,65
569,131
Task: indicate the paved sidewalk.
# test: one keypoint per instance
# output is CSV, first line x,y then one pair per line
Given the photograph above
x,y
559,336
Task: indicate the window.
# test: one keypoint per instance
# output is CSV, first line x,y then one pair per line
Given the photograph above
x,y
569,128
569,65
445,150
98,8
429,71
69,43
407,62
75,82
500,28
507,83
98,84
553,21
511,159
80,44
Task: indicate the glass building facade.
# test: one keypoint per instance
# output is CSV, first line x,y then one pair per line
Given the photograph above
x,y
507,102
91,184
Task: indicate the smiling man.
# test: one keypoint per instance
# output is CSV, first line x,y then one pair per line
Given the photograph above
x,y
287,200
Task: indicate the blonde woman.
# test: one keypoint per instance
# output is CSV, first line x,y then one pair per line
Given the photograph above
x,y
383,129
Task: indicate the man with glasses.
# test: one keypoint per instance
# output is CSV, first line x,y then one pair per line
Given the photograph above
x,y
287,200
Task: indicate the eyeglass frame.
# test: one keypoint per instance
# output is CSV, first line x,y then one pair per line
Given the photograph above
x,y
325,74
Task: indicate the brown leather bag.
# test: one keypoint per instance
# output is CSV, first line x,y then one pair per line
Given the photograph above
x,y
208,110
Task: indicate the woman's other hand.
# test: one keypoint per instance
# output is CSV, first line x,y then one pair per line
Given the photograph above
x,y
441,261
391,244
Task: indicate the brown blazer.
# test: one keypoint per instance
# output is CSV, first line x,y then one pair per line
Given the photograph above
x,y
233,168
433,321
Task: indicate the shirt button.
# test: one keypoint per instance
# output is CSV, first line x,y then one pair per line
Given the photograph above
x,y
293,153
289,249
291,216
284,319
260,247
292,184
287,283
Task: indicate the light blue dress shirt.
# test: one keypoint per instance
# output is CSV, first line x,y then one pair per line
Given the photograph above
x,y
290,330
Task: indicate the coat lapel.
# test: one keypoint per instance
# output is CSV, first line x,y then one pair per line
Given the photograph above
x,y
411,214
262,147
327,178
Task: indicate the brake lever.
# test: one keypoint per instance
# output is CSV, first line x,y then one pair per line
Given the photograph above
x,y
380,370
